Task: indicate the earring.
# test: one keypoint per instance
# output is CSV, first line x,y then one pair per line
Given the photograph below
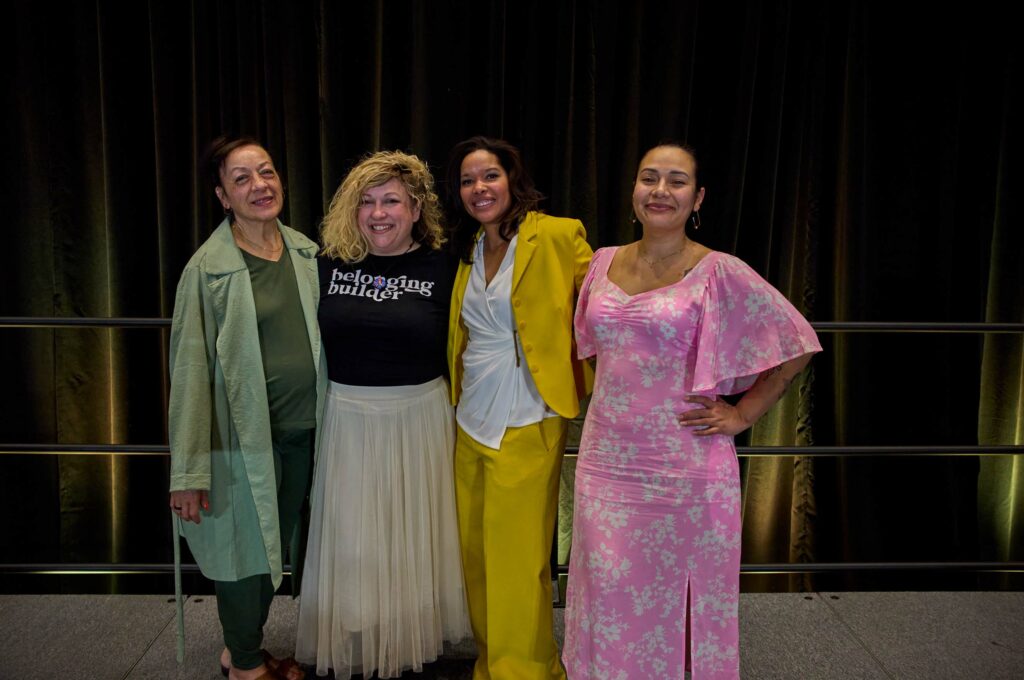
x,y
695,218
632,218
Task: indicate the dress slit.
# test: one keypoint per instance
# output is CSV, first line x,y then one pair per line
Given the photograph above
x,y
687,627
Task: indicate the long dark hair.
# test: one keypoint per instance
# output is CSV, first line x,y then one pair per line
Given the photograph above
x,y
524,196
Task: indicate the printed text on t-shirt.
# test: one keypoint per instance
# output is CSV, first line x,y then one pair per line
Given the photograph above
x,y
376,287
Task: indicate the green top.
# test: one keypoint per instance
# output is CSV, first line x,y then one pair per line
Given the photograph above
x,y
284,343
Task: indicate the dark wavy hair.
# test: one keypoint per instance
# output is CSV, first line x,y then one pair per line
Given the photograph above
x,y
524,196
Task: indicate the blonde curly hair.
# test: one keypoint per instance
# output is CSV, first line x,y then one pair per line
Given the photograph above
x,y
340,229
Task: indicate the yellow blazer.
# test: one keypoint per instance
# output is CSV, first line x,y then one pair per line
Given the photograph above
x,y
552,257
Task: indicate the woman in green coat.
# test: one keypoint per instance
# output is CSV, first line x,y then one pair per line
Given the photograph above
x,y
246,387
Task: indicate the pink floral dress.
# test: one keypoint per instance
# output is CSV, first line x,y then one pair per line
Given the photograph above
x,y
656,529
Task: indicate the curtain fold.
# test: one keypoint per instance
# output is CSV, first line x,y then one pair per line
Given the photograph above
x,y
1001,410
862,161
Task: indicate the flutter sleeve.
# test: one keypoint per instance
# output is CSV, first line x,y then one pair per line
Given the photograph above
x,y
585,346
746,328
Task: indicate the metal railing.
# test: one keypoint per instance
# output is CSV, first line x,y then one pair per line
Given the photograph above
x,y
571,451
106,569
820,326
745,451
82,322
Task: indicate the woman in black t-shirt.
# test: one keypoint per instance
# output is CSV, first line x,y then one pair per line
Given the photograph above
x,y
383,583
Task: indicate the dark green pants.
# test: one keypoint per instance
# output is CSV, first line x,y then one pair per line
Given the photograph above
x,y
243,605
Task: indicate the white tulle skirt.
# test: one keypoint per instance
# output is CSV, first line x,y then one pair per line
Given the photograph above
x,y
382,587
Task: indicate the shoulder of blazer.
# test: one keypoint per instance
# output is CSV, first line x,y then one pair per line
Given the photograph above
x,y
547,231
541,225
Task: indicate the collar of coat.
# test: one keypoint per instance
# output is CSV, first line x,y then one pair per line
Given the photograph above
x,y
223,256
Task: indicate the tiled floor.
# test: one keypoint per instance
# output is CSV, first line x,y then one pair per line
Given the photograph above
x,y
801,636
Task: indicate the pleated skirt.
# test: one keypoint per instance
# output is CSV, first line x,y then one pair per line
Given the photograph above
x,y
382,587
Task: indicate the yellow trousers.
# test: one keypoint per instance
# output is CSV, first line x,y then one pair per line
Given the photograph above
x,y
507,500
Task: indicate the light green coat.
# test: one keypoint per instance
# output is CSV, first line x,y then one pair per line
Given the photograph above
x,y
219,418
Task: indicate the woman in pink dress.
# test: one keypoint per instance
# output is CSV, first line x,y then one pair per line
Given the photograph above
x,y
654,575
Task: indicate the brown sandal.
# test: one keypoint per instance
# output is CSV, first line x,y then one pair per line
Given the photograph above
x,y
277,669
269,675
283,668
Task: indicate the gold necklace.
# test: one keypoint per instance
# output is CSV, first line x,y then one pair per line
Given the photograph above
x,y
649,261
272,251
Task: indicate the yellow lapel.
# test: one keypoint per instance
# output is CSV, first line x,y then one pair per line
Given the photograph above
x,y
525,247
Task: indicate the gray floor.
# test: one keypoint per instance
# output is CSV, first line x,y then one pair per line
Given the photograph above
x,y
801,636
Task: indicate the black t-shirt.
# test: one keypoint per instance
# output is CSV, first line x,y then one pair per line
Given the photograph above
x,y
384,321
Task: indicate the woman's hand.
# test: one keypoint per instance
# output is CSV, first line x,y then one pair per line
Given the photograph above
x,y
717,417
186,504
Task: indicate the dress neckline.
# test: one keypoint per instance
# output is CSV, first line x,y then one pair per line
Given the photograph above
x,y
607,265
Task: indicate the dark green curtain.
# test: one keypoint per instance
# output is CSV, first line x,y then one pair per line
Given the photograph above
x,y
862,160
1001,413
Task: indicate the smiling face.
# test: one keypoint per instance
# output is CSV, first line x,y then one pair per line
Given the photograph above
x,y
483,187
666,191
386,216
250,186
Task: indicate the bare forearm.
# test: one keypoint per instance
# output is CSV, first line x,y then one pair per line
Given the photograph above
x,y
720,417
769,388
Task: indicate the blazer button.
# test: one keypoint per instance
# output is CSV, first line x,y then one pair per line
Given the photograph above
x,y
522,325
529,348
534,369
517,302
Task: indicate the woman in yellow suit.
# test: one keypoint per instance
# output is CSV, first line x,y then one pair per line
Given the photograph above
x,y
515,380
